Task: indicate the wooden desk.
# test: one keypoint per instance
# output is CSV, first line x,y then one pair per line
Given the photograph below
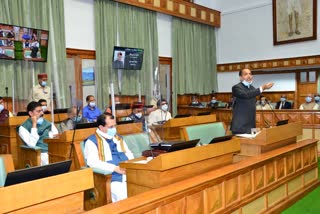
x,y
57,194
59,147
8,133
175,166
171,129
267,183
269,139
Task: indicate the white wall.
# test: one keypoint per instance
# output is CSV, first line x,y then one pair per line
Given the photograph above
x,y
282,82
79,24
247,34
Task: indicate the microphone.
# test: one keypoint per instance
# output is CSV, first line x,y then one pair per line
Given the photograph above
x,y
70,92
7,97
274,113
79,105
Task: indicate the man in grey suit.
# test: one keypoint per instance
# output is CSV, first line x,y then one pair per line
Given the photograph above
x,y
244,104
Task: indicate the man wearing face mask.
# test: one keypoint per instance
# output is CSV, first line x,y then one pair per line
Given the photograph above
x,y
317,99
41,91
35,129
91,111
213,103
44,106
309,104
161,114
283,103
137,115
263,104
244,105
4,113
105,150
68,124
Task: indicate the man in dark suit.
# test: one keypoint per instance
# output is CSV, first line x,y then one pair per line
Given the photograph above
x,y
283,103
244,104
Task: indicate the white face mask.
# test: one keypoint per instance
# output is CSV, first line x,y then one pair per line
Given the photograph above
x,y
92,104
164,107
138,115
44,108
246,83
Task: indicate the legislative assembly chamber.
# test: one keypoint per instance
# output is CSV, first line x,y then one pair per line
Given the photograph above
x,y
159,106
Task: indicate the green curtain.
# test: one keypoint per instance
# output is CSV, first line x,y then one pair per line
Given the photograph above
x,y
193,59
124,25
40,14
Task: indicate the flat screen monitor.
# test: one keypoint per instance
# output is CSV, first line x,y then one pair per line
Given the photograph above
x,y
34,173
204,113
86,125
60,110
182,115
125,122
220,139
22,113
282,122
127,58
123,106
23,43
175,146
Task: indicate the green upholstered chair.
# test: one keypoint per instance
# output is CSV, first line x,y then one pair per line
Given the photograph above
x,y
204,132
3,173
137,143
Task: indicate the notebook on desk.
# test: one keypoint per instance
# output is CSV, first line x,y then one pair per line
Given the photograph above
x,y
175,146
34,173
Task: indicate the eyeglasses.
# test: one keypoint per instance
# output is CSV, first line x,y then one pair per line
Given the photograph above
x,y
38,111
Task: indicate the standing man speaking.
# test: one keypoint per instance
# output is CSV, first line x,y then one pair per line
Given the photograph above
x,y
244,104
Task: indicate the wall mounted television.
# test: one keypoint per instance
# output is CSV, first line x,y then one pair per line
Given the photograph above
x,y
23,43
127,58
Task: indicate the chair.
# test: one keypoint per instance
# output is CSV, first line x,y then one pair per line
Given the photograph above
x,y
27,156
204,132
137,143
6,165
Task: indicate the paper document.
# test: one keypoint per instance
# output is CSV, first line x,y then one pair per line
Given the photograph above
x,y
248,135
144,161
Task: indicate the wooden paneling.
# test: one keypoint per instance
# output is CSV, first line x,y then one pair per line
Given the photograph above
x,y
178,8
83,54
233,187
271,64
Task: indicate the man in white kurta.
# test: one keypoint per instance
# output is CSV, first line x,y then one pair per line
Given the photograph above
x,y
105,150
161,114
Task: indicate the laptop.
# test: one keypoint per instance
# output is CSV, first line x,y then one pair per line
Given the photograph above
x,y
182,115
125,122
282,122
221,139
175,146
34,173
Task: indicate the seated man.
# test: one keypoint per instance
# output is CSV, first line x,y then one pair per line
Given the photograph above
x,y
35,129
44,106
317,99
195,102
4,113
109,108
214,103
283,103
309,104
68,124
263,104
105,150
161,114
91,111
137,115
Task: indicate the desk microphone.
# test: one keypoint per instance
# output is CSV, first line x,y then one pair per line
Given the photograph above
x,y
79,105
274,113
7,98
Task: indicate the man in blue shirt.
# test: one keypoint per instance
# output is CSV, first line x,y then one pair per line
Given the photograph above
x,y
91,111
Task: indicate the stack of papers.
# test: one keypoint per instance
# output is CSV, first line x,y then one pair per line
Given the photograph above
x,y
248,135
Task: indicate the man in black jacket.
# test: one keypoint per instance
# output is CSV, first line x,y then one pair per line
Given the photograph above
x,y
283,103
244,106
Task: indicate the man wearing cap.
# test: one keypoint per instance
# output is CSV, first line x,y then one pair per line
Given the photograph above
x,y
41,90
137,115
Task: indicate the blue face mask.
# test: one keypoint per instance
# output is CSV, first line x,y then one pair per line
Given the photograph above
x,y
213,101
316,98
246,83
308,99
1,107
282,99
43,83
112,132
77,119
40,121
